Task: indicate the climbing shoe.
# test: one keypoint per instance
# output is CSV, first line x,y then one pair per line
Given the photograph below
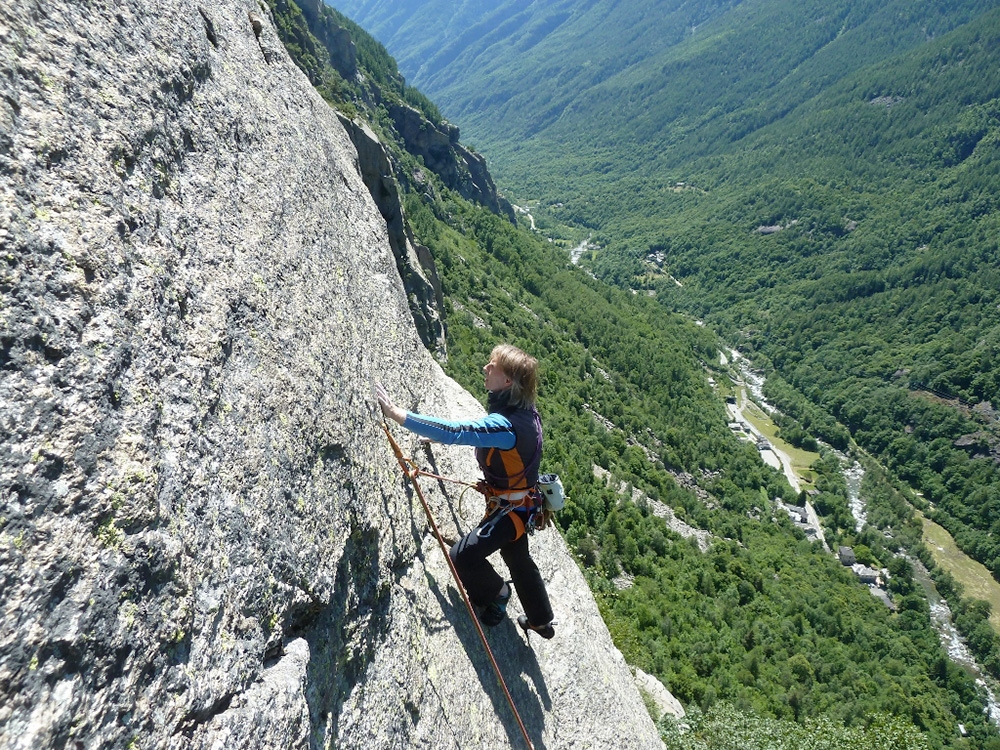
x,y
546,631
494,612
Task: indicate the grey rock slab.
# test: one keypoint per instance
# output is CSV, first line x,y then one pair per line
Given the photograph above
x,y
205,541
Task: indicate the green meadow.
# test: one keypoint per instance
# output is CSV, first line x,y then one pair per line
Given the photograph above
x,y
975,579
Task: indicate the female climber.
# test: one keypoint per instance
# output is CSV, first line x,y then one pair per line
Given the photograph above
x,y
508,443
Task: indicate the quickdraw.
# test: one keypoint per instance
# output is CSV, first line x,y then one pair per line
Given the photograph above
x,y
412,471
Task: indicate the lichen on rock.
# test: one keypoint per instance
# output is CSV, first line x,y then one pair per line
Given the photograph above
x,y
204,537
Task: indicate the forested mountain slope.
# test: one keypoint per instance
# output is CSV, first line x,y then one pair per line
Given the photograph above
x,y
700,575
523,77
817,180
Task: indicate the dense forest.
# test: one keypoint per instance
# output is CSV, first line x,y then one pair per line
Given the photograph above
x,y
816,181
748,622
763,620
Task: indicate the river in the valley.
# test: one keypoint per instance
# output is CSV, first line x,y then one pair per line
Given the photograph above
x,y
853,474
958,652
940,612
941,618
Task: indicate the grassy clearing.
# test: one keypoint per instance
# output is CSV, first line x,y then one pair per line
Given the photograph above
x,y
801,460
974,577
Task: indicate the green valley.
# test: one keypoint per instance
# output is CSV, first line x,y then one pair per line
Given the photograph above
x,y
818,182
826,208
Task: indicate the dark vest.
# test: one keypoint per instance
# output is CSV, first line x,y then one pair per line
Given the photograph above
x,y
516,468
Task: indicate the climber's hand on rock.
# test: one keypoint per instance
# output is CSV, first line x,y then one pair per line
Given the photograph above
x,y
389,409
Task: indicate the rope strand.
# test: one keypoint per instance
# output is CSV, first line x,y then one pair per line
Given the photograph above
x,y
413,474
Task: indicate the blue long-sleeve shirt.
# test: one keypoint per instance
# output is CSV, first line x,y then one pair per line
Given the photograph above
x,y
492,431
508,440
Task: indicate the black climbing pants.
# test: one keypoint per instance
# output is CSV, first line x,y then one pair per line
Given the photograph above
x,y
483,583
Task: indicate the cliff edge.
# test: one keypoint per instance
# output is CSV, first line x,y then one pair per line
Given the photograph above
x,y
205,540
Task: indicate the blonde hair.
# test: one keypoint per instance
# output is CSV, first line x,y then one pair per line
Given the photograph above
x,y
522,369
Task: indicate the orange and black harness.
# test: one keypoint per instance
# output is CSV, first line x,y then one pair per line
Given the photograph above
x,y
529,513
524,507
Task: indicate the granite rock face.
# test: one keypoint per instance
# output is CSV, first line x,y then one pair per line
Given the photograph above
x,y
665,703
459,168
413,261
205,541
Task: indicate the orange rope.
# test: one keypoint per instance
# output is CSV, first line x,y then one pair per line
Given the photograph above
x,y
412,474
421,472
417,471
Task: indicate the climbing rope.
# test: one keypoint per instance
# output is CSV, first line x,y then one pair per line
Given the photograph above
x,y
412,471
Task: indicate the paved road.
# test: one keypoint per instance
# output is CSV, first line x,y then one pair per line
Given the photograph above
x,y
786,466
778,459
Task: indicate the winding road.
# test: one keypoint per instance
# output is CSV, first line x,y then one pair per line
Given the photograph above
x,y
774,456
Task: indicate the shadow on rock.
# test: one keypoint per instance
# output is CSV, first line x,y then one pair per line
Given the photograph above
x,y
513,659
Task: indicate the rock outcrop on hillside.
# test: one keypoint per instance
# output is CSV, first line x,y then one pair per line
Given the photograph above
x,y
204,538
413,261
437,143
459,168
